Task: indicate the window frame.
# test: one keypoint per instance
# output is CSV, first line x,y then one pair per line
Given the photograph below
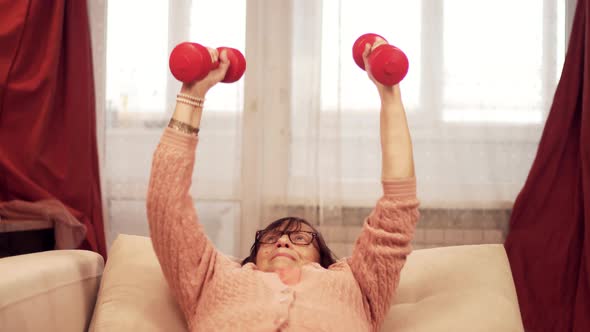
x,y
427,121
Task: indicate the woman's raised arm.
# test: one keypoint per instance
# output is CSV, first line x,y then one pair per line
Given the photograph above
x,y
187,257
380,251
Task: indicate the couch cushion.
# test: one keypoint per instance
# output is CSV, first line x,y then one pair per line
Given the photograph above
x,y
460,288
49,291
464,288
134,295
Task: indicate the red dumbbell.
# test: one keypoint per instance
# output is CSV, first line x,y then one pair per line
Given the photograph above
x,y
191,62
389,65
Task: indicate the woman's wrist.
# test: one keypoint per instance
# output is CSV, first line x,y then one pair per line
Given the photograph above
x,y
189,105
389,94
194,90
187,114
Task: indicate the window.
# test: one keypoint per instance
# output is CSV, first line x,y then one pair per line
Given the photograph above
x,y
230,32
140,98
470,61
498,58
344,84
136,56
138,77
481,80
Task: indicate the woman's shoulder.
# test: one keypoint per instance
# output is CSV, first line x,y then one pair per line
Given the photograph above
x,y
227,262
341,265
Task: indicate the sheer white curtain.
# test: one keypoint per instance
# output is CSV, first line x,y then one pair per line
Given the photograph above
x,y
299,134
140,95
477,94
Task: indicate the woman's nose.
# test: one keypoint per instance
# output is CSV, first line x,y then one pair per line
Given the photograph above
x,y
284,241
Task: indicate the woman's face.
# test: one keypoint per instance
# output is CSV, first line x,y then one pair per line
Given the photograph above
x,y
284,254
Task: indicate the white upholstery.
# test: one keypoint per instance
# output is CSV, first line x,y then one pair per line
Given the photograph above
x,y
134,295
49,291
463,288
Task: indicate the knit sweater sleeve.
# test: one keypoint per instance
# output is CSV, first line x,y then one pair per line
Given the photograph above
x,y
381,249
187,257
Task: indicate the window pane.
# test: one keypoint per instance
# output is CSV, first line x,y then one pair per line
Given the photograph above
x,y
344,84
222,28
493,61
136,82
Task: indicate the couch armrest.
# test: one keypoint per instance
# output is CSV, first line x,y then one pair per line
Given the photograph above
x,y
49,291
458,288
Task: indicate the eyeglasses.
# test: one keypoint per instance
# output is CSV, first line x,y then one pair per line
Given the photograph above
x,y
296,237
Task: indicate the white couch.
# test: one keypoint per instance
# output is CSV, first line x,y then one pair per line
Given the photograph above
x,y
462,288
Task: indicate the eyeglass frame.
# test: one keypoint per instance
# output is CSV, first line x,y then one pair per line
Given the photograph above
x,y
314,235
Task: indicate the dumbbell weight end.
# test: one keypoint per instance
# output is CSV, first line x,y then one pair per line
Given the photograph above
x,y
189,62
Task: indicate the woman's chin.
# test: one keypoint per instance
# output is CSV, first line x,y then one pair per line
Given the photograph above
x,y
283,263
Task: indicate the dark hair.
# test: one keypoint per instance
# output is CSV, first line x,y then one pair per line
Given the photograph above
x,y
327,257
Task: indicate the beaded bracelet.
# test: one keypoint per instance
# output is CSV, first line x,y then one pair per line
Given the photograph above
x,y
190,100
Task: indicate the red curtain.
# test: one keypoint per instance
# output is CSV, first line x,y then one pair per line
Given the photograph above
x,y
549,240
47,110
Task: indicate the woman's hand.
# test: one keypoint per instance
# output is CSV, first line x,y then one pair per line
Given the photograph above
x,y
385,92
200,88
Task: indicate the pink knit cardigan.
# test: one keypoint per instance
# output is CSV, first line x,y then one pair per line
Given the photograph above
x,y
217,294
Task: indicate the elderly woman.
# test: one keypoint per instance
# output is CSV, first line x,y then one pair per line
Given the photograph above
x,y
290,281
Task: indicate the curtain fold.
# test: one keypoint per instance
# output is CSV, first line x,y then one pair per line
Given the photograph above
x,y
47,110
549,240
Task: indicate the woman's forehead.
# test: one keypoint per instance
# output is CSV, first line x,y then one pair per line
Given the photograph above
x,y
294,225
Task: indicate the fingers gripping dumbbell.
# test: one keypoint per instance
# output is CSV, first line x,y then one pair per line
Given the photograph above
x,y
191,62
389,65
